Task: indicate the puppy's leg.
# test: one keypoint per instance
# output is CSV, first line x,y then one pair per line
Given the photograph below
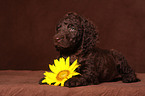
x,y
127,73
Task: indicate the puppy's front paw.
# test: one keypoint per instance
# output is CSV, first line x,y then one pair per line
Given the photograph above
x,y
73,82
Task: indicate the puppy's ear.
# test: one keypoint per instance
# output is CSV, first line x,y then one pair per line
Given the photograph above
x,y
90,35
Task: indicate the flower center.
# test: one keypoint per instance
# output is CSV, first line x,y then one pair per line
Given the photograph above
x,y
62,74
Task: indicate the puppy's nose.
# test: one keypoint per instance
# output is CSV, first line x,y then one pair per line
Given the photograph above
x,y
57,39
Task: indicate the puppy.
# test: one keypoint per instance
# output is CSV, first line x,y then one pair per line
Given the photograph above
x,y
77,37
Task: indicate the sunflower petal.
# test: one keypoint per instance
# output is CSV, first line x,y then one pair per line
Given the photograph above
x,y
57,63
50,75
48,81
44,81
62,82
62,63
70,76
74,68
67,62
75,73
53,68
50,78
73,65
57,83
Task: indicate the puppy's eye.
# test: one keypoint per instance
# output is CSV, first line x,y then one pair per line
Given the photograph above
x,y
71,26
65,23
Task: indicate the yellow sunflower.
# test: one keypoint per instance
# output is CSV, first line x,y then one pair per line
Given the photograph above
x,y
61,71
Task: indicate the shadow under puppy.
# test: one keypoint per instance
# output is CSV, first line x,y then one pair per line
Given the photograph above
x,y
77,37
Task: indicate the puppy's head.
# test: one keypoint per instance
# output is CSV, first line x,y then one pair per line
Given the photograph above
x,y
68,33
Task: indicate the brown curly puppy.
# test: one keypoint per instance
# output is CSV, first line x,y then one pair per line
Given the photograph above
x,y
77,37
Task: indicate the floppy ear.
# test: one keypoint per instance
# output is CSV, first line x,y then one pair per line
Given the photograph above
x,y
90,35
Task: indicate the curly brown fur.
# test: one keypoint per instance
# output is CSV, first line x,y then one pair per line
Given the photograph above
x,y
77,37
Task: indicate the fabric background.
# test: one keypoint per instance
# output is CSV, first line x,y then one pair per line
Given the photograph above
x,y
27,28
25,83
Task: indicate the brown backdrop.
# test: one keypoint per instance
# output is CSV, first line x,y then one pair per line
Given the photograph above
x,y
27,28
